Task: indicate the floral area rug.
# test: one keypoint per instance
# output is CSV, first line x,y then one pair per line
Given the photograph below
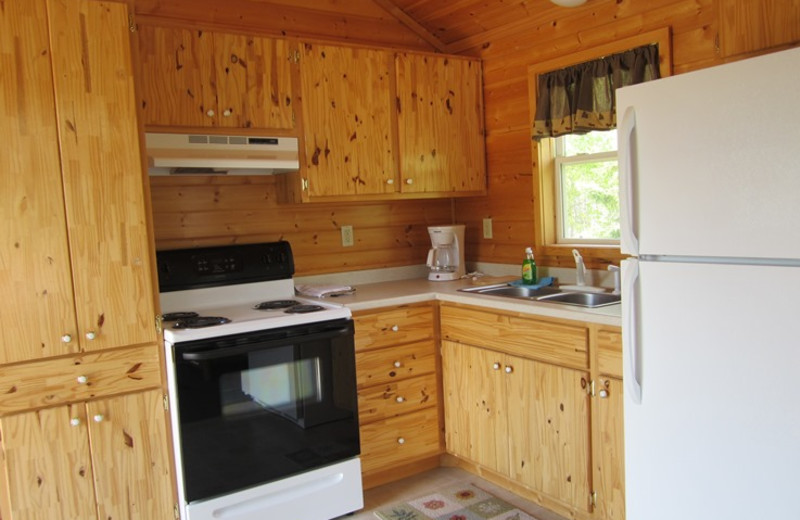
x,y
462,502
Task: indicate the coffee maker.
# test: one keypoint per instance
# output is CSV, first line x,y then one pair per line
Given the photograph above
x,y
446,257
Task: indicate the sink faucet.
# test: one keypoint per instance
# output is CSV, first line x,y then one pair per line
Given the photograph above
x,y
580,268
615,269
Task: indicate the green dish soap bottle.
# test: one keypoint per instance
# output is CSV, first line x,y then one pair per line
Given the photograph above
x,y
529,268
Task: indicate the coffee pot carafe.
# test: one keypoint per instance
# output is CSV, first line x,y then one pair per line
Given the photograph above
x,y
446,257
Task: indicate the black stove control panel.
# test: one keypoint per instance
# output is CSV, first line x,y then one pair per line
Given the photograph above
x,y
182,269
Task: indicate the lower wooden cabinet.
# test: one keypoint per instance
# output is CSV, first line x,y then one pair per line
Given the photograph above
x,y
103,459
397,367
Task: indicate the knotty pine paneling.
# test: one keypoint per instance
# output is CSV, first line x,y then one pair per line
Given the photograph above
x,y
351,21
206,211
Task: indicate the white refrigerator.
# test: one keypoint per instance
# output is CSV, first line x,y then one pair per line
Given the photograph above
x,y
710,198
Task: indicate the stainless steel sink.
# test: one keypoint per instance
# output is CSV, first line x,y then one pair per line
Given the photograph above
x,y
583,299
547,295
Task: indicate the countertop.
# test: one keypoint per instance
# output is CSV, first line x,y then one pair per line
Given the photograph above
x,y
401,292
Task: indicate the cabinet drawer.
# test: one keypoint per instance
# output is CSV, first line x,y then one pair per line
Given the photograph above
x,y
385,365
551,342
387,443
391,327
397,397
78,378
609,352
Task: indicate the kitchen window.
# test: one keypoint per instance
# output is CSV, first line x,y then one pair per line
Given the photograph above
x,y
587,188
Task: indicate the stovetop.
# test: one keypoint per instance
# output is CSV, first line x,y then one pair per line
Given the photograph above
x,y
233,290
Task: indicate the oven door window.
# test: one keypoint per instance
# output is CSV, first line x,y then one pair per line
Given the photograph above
x,y
256,408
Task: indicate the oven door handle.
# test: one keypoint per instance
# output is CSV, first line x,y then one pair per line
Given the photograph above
x,y
222,352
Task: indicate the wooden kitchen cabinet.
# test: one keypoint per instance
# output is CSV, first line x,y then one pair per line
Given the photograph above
x,y
350,144
101,459
397,367
440,122
748,26
196,78
76,273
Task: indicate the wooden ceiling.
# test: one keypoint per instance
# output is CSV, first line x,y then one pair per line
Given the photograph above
x,y
450,26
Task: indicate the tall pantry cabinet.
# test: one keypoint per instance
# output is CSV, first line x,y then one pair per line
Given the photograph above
x,y
82,420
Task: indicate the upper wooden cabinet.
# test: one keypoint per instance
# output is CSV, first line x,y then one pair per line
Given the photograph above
x,y
76,272
194,78
348,120
440,121
752,25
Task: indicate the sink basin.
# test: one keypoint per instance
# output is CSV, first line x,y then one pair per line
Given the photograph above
x,y
582,299
547,295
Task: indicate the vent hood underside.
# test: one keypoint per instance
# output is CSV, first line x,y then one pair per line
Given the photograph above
x,y
197,154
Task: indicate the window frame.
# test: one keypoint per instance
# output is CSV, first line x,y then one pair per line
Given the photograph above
x,y
543,154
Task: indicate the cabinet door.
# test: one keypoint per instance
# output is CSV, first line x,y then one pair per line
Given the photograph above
x,y
608,449
131,457
549,430
37,305
440,120
177,77
475,411
753,25
254,84
347,120
102,172
46,465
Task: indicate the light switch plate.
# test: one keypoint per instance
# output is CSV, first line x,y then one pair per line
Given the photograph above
x,y
487,228
347,236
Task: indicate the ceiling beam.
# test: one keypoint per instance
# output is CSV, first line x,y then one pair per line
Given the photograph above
x,y
412,24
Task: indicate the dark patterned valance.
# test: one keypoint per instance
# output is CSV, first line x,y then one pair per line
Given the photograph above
x,y
581,98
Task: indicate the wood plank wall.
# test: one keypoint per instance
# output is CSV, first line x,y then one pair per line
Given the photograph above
x,y
223,211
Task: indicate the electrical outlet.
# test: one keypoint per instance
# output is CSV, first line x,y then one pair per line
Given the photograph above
x,y
487,228
347,236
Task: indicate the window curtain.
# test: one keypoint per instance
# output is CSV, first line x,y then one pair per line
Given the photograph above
x,y
581,98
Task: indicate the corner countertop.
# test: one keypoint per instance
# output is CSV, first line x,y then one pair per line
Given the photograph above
x,y
401,292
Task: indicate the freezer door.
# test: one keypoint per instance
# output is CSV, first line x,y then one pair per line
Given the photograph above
x,y
716,432
711,163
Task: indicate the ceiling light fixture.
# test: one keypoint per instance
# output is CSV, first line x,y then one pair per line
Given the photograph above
x,y
569,3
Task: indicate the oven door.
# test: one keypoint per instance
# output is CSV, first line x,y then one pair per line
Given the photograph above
x,y
260,406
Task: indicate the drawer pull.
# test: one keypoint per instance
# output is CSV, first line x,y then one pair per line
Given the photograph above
x,y
210,113
75,421
509,369
400,399
98,418
66,338
395,328
401,440
91,335
397,364
496,366
82,380
603,393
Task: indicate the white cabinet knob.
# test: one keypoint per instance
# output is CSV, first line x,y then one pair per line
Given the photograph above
x,y
227,112
210,113
82,380
98,418
66,338
496,366
91,335
603,393
409,181
509,369
389,181
401,440
400,399
395,328
397,364
75,421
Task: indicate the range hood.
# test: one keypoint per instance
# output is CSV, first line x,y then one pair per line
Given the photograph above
x,y
199,154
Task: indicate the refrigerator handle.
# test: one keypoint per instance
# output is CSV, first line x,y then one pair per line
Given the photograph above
x,y
629,243
630,338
